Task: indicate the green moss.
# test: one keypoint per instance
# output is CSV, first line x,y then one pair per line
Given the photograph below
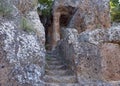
x,y
26,25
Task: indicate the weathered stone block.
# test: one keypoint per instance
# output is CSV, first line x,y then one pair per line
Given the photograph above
x,y
81,15
22,54
88,62
91,14
110,61
93,55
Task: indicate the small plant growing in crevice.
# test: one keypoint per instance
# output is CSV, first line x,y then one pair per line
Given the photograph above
x,y
5,8
26,25
98,26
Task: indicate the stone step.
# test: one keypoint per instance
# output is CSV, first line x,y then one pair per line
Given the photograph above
x,y
54,62
58,72
57,67
60,79
61,84
52,55
52,59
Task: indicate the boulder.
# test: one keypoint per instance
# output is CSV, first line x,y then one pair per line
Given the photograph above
x,y
110,54
92,55
82,15
89,45
22,52
91,15
82,57
65,3
99,36
62,12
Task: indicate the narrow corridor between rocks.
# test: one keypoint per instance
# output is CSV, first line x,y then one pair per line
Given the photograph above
x,y
57,73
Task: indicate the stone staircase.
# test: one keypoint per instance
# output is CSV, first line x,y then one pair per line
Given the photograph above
x,y
57,73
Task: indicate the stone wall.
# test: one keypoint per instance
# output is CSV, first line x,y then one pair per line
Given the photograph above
x,y
92,55
83,15
89,45
91,15
62,8
67,47
22,52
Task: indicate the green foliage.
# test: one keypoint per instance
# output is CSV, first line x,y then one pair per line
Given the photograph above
x,y
26,25
115,10
45,6
114,2
5,8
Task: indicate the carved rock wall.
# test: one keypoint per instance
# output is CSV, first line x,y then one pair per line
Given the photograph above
x,y
94,55
91,15
85,15
22,52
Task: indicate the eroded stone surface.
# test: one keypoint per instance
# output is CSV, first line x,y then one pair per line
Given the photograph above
x,y
94,55
63,10
98,36
84,57
81,15
110,61
22,54
65,3
91,15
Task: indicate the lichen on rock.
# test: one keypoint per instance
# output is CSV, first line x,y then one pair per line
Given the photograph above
x,y
22,53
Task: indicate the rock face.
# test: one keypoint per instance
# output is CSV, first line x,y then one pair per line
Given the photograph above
x,y
107,42
89,45
110,61
79,14
22,52
82,57
108,45
99,36
62,13
94,55
91,15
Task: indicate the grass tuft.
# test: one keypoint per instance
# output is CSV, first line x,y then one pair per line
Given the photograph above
x,y
26,25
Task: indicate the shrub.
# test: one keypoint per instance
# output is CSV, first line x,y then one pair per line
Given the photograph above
x,y
45,7
115,10
115,15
